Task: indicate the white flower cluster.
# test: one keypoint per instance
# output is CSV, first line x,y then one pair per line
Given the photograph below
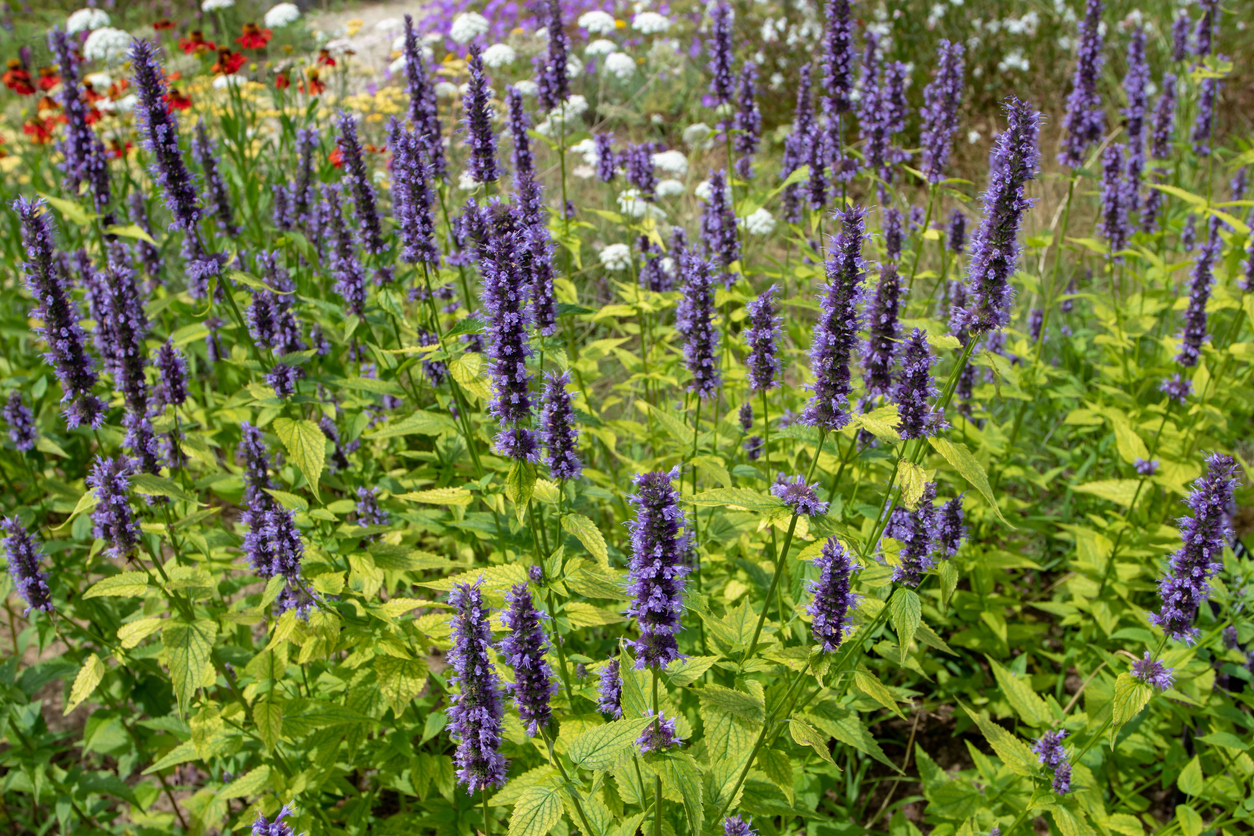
x,y
600,47
86,20
569,113
216,5
107,44
1013,60
650,23
616,257
672,162
620,65
597,22
760,222
282,15
499,55
467,26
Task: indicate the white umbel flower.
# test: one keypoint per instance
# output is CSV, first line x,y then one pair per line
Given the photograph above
x,y
388,24
526,86
620,65
499,55
597,22
284,14
107,44
672,162
697,134
99,81
650,23
760,222
669,188
616,257
466,182
216,5
600,47
86,20
223,82
467,26
445,89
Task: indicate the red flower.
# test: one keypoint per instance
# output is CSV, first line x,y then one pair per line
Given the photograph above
x,y
325,59
89,92
174,100
48,78
336,157
314,85
281,80
195,43
119,87
117,150
48,103
17,79
39,130
228,62
163,23
254,37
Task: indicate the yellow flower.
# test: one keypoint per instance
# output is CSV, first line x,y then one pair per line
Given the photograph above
x,y
354,26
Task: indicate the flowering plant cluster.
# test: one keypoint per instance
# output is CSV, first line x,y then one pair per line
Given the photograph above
x,y
465,436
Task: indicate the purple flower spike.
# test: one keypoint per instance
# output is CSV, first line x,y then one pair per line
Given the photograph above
x,y
412,196
995,246
659,565
254,458
218,196
114,522
149,255
346,267
172,369
638,166
1186,586
31,581
1085,120
611,691
607,160
830,610
1204,124
360,184
839,62
303,197
1153,673
367,508
736,826
264,827
800,497
879,354
1180,36
524,649
424,113
1053,756
272,544
1146,467
21,423
914,393
159,131
85,159
479,134
718,222
917,531
942,98
1200,281
1164,124
747,122
720,49
892,233
701,341
282,378
956,237
1135,85
950,532
539,257
1177,388
762,339
745,416
558,430
529,195
554,85
48,283
1114,214
475,715
658,736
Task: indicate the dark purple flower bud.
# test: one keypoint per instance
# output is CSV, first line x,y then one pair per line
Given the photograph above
x,y
747,122
745,416
85,158
21,423
1204,34
149,255
272,543
802,126
553,87
1135,84
1153,673
1200,281
753,448
830,611
172,370
1177,388
339,456
950,531
67,352
1204,123
736,826
252,456
141,441
529,197
1231,640
892,233
475,715
1036,319
424,113
281,212
1186,585
659,735
477,101
917,531
282,378
659,566
1180,36
606,158
114,522
558,430
638,168
701,338
1246,281
837,331
535,574
304,199
879,353
31,581
217,196
524,650
611,702
159,131
367,507
816,185
942,98
995,246
213,341
956,237
1084,120
800,497
720,49
263,827
718,222
1053,756
1114,213
1146,467
839,58
918,418
346,267
762,333
360,185
1164,120
505,297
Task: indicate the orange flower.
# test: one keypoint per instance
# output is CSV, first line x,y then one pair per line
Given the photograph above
x,y
119,87
325,59
174,100
228,62
117,150
48,78
195,43
281,80
314,85
48,103
89,92
336,157
163,23
39,130
17,79
254,37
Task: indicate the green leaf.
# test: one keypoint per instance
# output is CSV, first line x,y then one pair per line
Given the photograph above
x,y
1012,751
131,231
679,771
689,669
306,447
520,483
89,676
1120,491
71,211
250,783
1030,707
1190,781
588,534
255,283
188,648
268,715
1191,823
86,502
1175,191
468,371
125,585
439,496
882,423
537,812
961,459
600,747
672,425
745,498
418,423
869,684
400,680
371,384
807,735
130,635
912,478
737,702
1131,696
150,485
905,612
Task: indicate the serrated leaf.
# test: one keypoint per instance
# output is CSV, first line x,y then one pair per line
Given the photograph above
x,y
689,669
188,648
130,635
400,680
586,532
268,715
599,747
881,423
439,496
254,282
537,812
251,783
905,612
417,423
807,735
306,447
745,498
125,585
960,458
869,684
912,479
1025,702
679,771
89,676
131,231
150,485
520,483
85,503
1120,491
1131,696
1012,751
737,702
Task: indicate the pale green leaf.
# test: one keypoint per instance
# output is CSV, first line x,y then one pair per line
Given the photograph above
x,y
586,532
125,585
960,458
306,447
89,676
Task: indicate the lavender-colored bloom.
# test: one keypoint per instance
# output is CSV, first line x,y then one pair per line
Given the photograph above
x,y
218,196
282,378
281,213
736,826
1246,281
1085,120
141,440
475,715
524,649
359,183
839,61
172,372
956,237
950,531
558,430
720,50
1153,673
1200,281
412,196
917,532
917,417
272,544
753,447
1114,213
659,565
21,423
85,159
367,507
126,327
350,276
942,98
47,282
830,609
718,222
1135,85
252,456
1180,36
113,521
505,296
149,255
879,353
762,333
31,581
263,827
1177,388
1230,638
800,497
1036,320
892,233
1204,34
1164,120
213,340
611,691
1146,467
747,121
606,158
339,456
995,246
837,330
477,101
1188,234
1186,585
303,197
659,735
701,338
423,111
530,199
816,185
638,168
1053,756
1204,123
160,134
553,85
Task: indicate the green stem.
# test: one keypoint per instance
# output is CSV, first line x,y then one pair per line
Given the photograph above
x,y
657,779
918,245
